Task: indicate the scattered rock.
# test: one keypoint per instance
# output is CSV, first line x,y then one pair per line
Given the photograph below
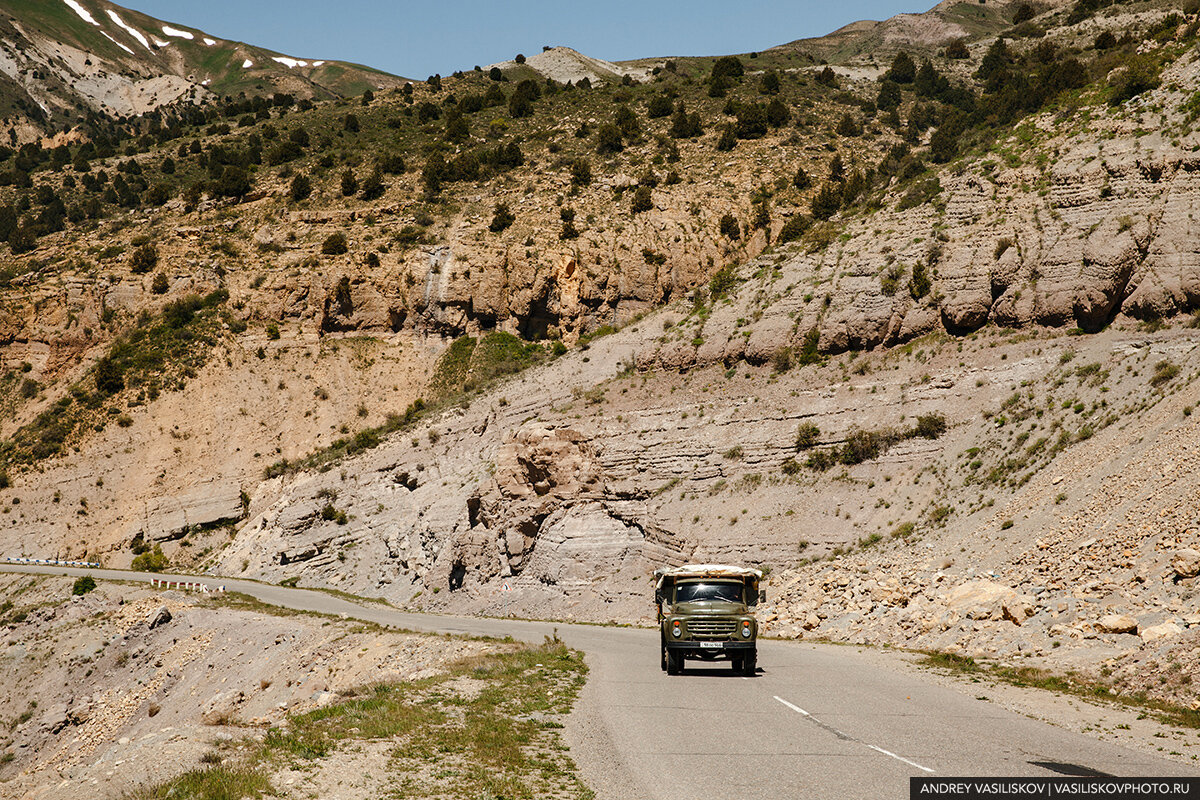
x,y
1117,623
1186,562
1165,630
160,616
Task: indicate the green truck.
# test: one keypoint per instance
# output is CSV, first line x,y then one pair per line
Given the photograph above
x,y
706,612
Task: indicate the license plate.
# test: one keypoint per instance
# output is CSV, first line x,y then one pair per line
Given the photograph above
x,y
711,645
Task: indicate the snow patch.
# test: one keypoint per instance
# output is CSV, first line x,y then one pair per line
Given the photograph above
x,y
247,64
114,41
82,12
291,62
206,82
209,42
169,31
317,63
131,31
160,42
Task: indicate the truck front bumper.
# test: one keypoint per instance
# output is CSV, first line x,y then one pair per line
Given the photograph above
x,y
710,648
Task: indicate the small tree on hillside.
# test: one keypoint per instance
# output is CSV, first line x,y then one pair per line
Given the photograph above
x,y
301,188
502,218
335,244
728,67
373,187
643,200
144,259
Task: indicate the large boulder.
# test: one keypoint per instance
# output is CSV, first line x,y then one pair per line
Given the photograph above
x,y
1186,562
1117,623
984,599
159,616
1165,630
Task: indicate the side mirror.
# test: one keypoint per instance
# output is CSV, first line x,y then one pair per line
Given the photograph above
x,y
762,595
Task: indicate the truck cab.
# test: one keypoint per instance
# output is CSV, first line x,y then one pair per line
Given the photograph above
x,y
706,612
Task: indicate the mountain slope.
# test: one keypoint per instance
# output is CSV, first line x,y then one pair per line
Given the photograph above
x,y
64,59
876,312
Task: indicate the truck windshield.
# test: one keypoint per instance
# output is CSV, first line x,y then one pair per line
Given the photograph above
x,y
691,592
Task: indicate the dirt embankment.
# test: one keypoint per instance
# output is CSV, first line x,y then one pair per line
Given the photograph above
x,y
126,685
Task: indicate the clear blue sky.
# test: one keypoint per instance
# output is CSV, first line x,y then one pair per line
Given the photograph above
x,y
416,39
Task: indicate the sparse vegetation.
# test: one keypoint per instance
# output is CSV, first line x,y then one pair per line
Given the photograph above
x,y
502,740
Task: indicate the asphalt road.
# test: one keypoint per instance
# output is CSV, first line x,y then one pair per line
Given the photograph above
x,y
815,722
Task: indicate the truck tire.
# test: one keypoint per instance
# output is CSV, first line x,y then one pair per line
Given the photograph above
x,y
750,662
664,656
674,662
736,662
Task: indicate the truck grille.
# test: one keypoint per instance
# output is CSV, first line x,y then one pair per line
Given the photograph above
x,y
712,628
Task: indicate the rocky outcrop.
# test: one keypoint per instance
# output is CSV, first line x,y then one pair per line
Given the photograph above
x,y
1114,233
211,503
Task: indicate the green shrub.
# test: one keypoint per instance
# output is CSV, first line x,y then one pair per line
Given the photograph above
x,y
502,218
144,259
581,172
728,139
929,426
864,445
919,284
920,194
827,201
729,227
728,67
335,244
796,226
301,188
643,200
806,436
159,285
373,187
609,139
83,585
660,106
722,282
1164,372
152,561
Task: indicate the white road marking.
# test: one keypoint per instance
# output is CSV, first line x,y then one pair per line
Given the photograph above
x,y
898,758
849,738
797,709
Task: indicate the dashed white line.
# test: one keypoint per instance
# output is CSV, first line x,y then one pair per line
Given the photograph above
x,y
898,758
797,709
849,738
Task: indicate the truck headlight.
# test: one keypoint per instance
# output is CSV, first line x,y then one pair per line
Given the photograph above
x,y
746,629
676,629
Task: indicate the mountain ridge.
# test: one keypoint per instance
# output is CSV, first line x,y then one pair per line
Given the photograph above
x,y
71,58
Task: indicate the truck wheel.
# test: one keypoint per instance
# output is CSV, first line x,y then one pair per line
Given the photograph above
x,y
674,662
664,656
750,662
736,662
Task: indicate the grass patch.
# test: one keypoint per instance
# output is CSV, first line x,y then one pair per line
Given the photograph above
x,y
213,783
487,727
